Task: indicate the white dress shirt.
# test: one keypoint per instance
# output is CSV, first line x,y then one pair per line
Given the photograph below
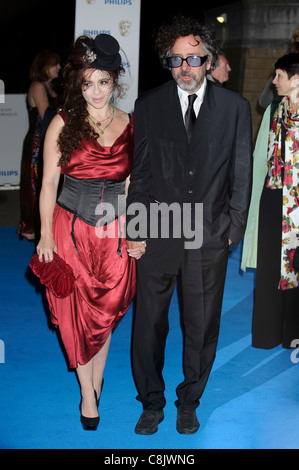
x,y
183,97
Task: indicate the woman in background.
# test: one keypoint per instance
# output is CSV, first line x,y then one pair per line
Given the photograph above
x,y
272,232
42,103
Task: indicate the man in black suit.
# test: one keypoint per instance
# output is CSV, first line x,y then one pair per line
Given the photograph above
x,y
206,173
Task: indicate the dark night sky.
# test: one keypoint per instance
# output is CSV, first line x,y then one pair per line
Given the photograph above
x,y
27,27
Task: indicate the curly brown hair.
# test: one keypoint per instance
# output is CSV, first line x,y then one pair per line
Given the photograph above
x,y
182,26
77,126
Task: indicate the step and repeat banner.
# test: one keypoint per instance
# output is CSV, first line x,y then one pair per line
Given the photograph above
x,y
13,128
121,19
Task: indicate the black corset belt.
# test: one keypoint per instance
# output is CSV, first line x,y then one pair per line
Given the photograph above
x,y
97,202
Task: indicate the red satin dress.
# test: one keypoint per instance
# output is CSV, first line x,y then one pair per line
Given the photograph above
x,y
105,282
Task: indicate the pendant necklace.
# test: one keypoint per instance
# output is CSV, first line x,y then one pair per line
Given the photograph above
x,y
98,124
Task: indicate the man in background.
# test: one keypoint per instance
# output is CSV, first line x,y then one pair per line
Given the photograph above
x,y
220,74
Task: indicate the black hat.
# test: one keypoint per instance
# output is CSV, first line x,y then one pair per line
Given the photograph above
x,y
103,53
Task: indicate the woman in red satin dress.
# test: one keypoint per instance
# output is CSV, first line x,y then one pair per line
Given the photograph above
x,y
91,144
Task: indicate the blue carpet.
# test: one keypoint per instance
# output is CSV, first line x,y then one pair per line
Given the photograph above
x,y
251,400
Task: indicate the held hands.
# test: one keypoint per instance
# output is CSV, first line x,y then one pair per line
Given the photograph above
x,y
136,249
45,248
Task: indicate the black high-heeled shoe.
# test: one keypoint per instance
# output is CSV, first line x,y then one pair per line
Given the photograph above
x,y
96,395
90,424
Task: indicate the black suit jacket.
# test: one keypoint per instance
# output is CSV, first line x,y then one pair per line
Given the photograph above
x,y
214,169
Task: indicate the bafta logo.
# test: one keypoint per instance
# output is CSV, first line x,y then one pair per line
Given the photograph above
x,y
90,2
123,90
125,27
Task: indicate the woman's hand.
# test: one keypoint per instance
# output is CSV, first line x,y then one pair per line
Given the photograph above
x,y
45,248
136,249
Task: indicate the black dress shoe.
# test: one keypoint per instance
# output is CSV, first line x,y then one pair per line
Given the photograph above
x,y
187,422
148,422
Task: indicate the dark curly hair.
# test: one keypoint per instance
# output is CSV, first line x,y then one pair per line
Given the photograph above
x,y
77,126
181,26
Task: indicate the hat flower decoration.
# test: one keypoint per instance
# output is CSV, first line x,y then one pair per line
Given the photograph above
x,y
89,56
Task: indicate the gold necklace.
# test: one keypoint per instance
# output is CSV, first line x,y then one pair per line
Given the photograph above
x,y
98,124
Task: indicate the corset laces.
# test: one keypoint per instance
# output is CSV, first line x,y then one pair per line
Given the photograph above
x,y
118,251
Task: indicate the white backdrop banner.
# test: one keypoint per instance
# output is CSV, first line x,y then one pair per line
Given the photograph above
x,y
121,19
13,128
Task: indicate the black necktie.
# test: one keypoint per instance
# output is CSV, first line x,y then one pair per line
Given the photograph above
x,y
190,116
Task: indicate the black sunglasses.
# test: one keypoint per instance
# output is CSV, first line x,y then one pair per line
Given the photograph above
x,y
192,61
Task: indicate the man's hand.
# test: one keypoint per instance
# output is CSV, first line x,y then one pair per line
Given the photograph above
x,y
136,249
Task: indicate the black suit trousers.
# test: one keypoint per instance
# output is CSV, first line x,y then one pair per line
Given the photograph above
x,y
200,290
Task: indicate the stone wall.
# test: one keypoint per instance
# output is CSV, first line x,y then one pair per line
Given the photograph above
x,y
255,34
